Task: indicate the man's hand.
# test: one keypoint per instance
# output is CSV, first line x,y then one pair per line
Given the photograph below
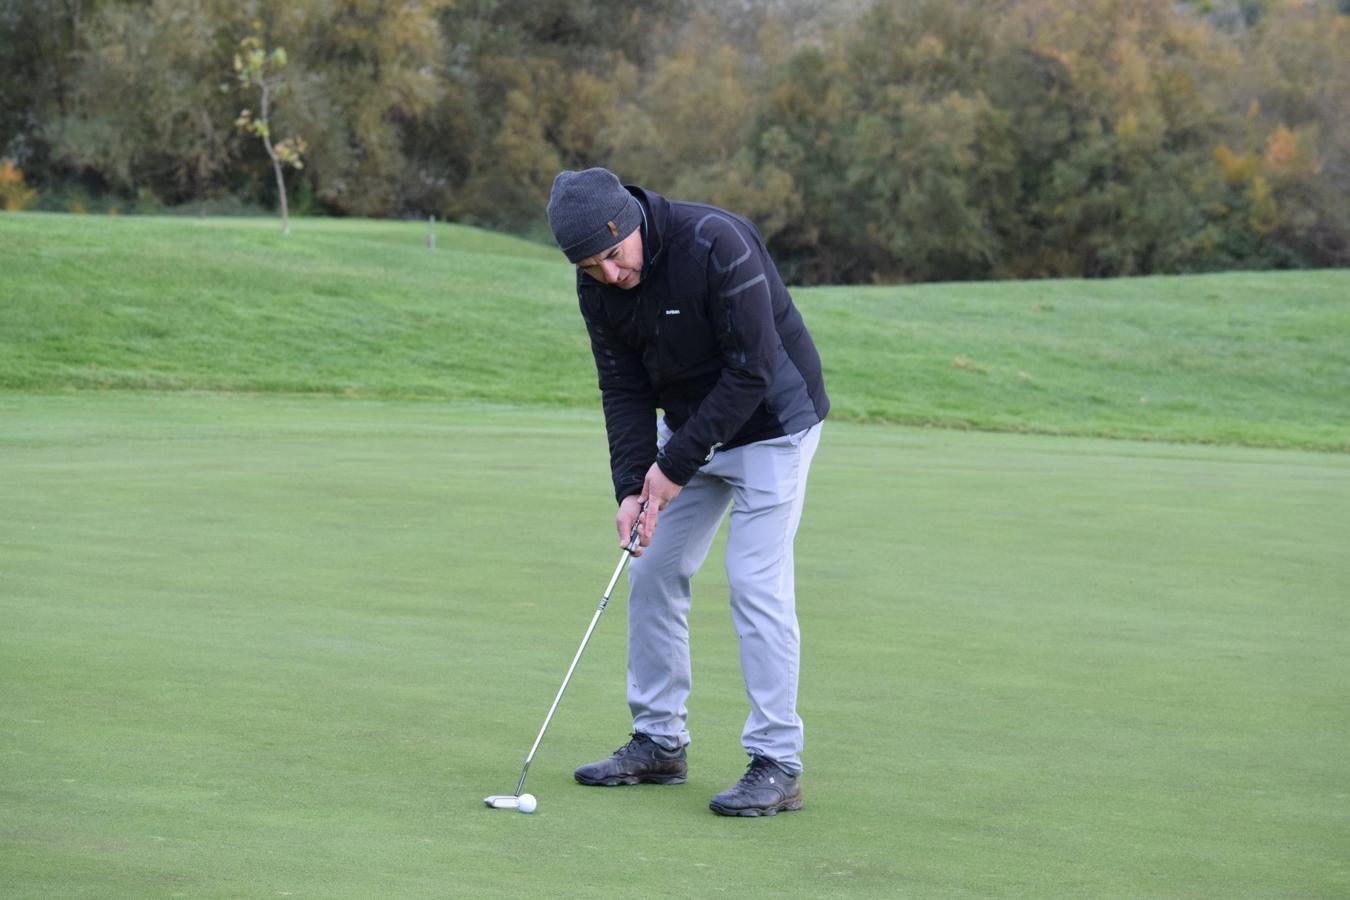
x,y
629,510
657,491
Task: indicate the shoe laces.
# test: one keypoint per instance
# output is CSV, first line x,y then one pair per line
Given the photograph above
x,y
638,739
761,769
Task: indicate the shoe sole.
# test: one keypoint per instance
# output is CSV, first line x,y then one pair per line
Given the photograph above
x,y
619,780
756,811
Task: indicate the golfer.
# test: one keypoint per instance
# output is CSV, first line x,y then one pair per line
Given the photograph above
x,y
687,315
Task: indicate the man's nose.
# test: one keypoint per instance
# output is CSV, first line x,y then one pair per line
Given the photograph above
x,y
611,270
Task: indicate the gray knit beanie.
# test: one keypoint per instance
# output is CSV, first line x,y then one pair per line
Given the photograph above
x,y
590,211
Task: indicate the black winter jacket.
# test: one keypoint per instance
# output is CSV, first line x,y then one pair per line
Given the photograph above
x,y
710,336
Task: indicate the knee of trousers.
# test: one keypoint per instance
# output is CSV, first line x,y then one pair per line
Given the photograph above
x,y
762,582
654,572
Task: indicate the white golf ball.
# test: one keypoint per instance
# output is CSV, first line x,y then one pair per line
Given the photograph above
x,y
527,803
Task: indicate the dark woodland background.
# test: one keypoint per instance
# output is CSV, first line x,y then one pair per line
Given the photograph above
x,y
895,140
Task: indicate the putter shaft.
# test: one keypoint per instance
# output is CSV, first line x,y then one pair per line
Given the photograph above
x,y
604,601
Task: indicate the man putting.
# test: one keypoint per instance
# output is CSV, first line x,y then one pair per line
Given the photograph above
x,y
687,314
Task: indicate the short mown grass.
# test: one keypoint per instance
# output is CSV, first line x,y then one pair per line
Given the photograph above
x,y
264,646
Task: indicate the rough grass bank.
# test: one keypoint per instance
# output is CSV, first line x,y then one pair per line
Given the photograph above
x,y
367,309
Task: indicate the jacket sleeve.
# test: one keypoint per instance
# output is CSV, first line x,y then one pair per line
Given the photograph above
x,y
628,400
741,306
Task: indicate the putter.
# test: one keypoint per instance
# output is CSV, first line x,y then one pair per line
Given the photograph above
x,y
512,801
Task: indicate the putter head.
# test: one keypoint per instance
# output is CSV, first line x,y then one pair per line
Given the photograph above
x,y
502,801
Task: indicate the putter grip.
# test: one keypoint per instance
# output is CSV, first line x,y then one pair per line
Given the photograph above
x,y
633,535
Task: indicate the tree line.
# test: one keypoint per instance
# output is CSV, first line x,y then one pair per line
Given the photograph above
x,y
871,140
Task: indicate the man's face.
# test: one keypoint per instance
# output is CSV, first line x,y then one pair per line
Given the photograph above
x,y
620,265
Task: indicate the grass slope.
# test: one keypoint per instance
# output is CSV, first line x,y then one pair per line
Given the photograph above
x,y
259,646
365,309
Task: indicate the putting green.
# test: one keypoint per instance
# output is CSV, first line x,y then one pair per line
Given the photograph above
x,y
272,646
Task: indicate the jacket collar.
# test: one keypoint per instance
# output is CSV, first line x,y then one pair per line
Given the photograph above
x,y
656,219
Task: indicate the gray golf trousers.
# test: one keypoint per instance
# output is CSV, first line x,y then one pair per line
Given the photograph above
x,y
765,485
